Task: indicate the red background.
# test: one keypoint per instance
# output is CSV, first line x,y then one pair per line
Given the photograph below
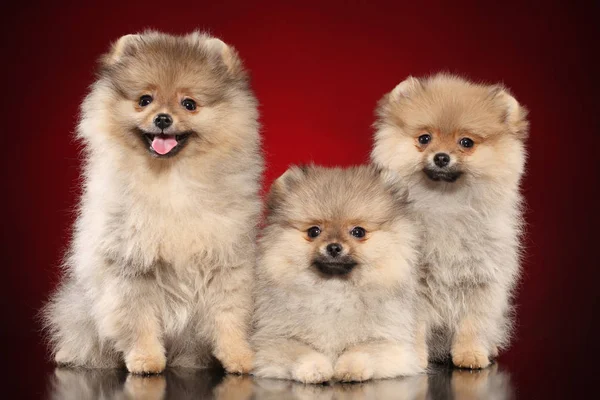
x,y
318,72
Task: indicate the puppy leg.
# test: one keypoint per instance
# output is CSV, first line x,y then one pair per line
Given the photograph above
x,y
230,299
147,355
421,344
128,316
72,331
375,361
469,348
291,359
482,327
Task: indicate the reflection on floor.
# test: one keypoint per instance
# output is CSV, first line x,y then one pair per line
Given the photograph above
x,y
441,383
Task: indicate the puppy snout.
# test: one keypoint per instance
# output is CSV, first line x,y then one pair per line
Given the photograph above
x,y
441,159
334,249
163,121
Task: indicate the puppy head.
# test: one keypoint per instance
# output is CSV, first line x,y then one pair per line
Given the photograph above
x,y
338,225
166,96
445,129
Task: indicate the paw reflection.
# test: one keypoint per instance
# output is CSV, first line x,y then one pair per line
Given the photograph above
x,y
489,383
145,387
400,388
442,382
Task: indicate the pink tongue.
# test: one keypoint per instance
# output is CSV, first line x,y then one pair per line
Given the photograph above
x,y
162,144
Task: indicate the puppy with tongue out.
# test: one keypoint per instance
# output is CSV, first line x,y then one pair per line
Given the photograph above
x,y
168,144
160,269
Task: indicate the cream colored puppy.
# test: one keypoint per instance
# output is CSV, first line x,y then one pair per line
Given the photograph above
x,y
335,278
160,267
460,148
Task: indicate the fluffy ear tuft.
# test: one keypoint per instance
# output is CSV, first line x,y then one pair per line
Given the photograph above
x,y
515,115
294,174
406,88
126,45
282,184
228,54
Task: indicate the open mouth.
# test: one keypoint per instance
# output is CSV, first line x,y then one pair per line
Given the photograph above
x,y
162,145
334,268
440,175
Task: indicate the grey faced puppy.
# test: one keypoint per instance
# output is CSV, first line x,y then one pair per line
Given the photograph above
x,y
335,278
460,148
160,267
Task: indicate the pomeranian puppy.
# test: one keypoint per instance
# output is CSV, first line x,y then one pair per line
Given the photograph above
x,y
335,278
460,148
161,263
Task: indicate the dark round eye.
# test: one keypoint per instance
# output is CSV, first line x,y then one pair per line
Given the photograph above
x,y
145,100
189,104
313,232
466,142
358,232
424,139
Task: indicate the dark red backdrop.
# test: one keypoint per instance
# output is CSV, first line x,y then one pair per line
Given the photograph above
x,y
318,72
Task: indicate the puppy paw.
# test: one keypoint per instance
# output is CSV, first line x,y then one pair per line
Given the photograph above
x,y
237,359
353,367
63,357
313,368
145,362
470,358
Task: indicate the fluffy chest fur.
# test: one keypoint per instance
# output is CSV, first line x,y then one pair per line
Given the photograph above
x,y
169,218
469,243
331,316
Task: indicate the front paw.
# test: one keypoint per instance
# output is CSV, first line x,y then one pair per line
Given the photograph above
x,y
146,361
313,368
237,360
353,367
63,357
470,358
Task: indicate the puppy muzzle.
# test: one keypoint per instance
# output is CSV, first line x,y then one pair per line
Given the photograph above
x,y
334,267
442,174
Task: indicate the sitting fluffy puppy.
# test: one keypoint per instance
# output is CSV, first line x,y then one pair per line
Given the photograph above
x,y
460,148
160,267
335,278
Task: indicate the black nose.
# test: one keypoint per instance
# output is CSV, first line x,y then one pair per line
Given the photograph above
x,y
163,121
441,159
334,249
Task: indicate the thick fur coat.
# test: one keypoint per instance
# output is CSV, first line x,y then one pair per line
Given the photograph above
x,y
160,267
459,146
347,316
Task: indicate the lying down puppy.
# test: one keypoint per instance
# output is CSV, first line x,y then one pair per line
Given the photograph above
x,y
335,278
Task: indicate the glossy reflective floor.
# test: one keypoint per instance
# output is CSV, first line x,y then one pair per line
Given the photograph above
x,y
441,383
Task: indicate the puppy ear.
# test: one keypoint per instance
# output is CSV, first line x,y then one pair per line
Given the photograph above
x,y
283,184
514,114
406,89
125,46
227,54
